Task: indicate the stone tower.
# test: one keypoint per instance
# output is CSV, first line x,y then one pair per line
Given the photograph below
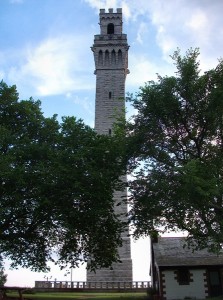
x,y
110,50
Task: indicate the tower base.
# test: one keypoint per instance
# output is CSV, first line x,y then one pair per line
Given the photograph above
x,y
119,272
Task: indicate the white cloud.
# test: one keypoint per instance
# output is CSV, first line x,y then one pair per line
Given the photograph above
x,y
97,4
177,23
55,66
166,41
185,24
143,69
85,105
84,102
198,21
126,10
143,28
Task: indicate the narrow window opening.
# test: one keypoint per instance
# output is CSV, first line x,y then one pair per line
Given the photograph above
x,y
110,95
120,56
109,131
113,56
106,57
100,57
110,28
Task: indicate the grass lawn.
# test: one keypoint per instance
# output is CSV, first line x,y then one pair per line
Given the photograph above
x,y
87,296
81,296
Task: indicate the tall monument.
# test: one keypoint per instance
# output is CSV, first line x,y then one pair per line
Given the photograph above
x,y
110,50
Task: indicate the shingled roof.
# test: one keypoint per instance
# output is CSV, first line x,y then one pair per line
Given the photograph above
x,y
169,251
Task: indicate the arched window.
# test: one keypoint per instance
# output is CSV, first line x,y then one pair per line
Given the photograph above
x,y
100,57
110,28
106,57
120,56
113,56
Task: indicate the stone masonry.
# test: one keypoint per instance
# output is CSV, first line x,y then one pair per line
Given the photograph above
x,y
110,50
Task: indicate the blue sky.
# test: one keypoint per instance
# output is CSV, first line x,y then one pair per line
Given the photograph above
x,y
45,45
45,51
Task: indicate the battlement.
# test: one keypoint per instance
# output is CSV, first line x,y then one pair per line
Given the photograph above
x,y
111,22
110,11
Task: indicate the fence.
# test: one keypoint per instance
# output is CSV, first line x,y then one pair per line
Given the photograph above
x,y
83,285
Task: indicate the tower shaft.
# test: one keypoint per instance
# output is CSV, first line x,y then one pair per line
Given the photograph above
x,y
110,50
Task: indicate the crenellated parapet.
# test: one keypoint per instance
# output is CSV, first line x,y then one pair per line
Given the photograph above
x,y
110,22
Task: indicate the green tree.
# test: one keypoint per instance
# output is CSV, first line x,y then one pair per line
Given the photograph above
x,y
3,276
175,148
56,188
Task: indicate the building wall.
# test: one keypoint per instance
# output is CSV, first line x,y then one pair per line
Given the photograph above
x,y
172,290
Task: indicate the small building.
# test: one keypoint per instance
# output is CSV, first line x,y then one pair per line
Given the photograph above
x,y
180,273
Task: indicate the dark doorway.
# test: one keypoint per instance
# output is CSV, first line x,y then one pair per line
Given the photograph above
x,y
215,283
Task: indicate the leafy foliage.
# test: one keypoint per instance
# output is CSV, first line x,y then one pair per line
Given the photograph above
x,y
56,188
175,144
3,276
